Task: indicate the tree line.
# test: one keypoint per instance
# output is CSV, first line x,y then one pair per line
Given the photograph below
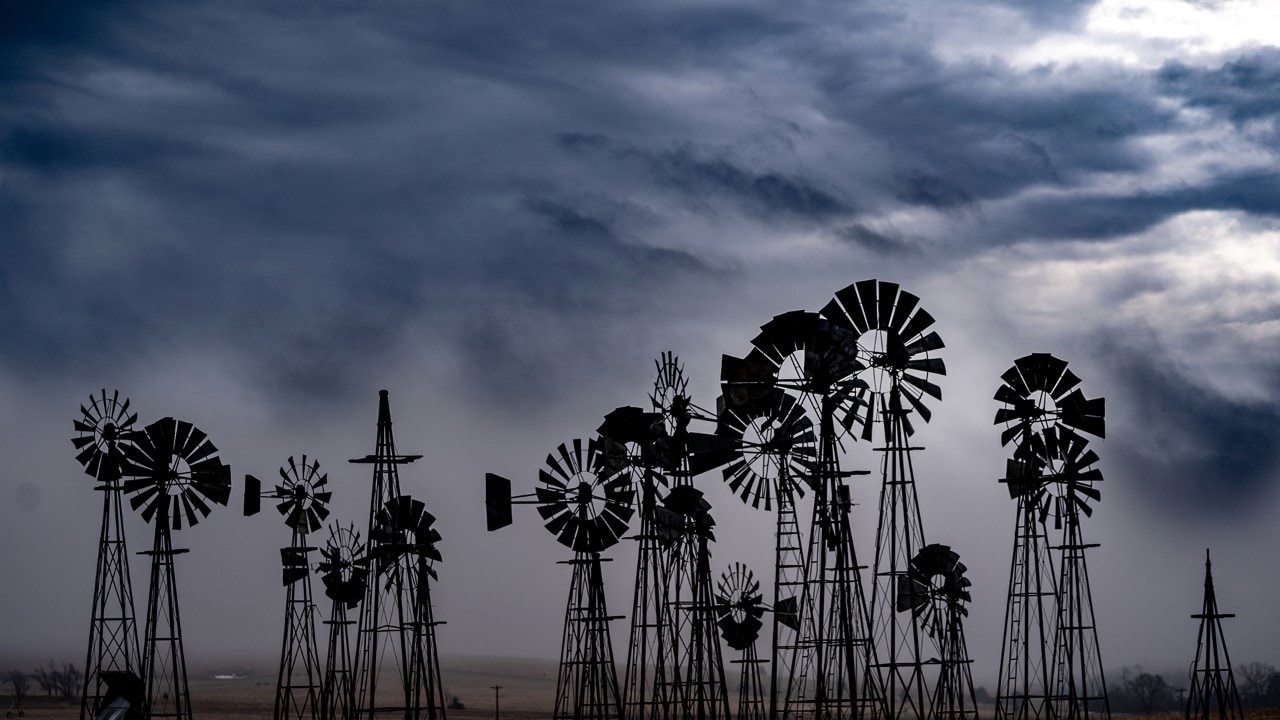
x,y
1142,692
56,681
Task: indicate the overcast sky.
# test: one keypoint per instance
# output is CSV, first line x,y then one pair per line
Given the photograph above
x,y
255,215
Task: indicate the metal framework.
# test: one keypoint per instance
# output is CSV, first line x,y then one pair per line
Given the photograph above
x,y
1213,685
174,473
396,631
113,632
829,674
345,577
740,605
1050,475
935,591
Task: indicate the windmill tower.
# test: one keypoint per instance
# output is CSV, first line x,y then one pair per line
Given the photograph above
x,y
303,502
587,506
345,576
174,473
1213,685
935,591
774,461
740,605
395,634
113,632
816,360
1038,393
898,353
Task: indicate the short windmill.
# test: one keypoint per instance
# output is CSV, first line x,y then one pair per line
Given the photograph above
x,y
740,606
345,576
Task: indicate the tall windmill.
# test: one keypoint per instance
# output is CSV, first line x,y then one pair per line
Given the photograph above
x,y
1213,685
395,639
740,605
774,461
898,351
113,633
1038,393
814,359
303,502
345,577
174,473
936,592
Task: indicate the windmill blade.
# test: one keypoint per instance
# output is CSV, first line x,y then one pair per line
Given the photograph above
x,y
497,501
928,343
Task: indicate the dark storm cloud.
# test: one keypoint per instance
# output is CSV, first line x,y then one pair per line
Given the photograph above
x,y
890,242
1197,450
697,174
1243,89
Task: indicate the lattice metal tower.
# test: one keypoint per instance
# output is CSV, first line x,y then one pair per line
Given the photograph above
x,y
587,504
1038,393
113,631
898,352
303,502
396,631
174,473
345,577
740,606
829,677
1213,685
774,460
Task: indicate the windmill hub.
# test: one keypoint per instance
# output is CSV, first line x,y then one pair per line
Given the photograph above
x,y
589,506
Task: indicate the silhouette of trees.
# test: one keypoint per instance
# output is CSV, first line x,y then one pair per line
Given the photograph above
x,y
18,679
62,682
1253,680
1143,692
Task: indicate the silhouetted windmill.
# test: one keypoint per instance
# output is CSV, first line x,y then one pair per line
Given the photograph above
x,y
303,501
174,473
773,441
586,501
936,592
740,605
345,577
396,636
1039,393
815,359
898,352
1213,685
113,633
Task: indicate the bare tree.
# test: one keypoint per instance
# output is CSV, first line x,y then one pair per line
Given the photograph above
x,y
1253,680
18,680
69,681
1147,690
44,679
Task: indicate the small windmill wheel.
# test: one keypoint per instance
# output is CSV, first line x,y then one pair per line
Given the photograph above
x,y
1065,466
934,587
1039,392
586,503
774,449
404,527
739,606
101,427
174,472
303,499
670,395
342,570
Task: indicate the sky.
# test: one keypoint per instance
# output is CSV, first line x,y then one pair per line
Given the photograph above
x,y
254,216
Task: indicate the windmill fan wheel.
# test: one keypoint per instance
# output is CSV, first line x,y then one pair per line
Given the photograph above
x,y
1064,463
1038,392
894,344
404,527
174,473
303,499
670,396
101,426
342,569
774,449
934,582
739,607
587,504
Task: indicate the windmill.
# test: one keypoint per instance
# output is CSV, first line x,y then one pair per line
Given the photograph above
x,y
396,631
898,353
740,606
1041,404
345,577
935,591
773,441
174,473
815,359
586,499
303,502
1213,685
113,633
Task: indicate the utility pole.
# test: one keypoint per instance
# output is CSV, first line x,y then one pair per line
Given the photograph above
x,y
496,688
